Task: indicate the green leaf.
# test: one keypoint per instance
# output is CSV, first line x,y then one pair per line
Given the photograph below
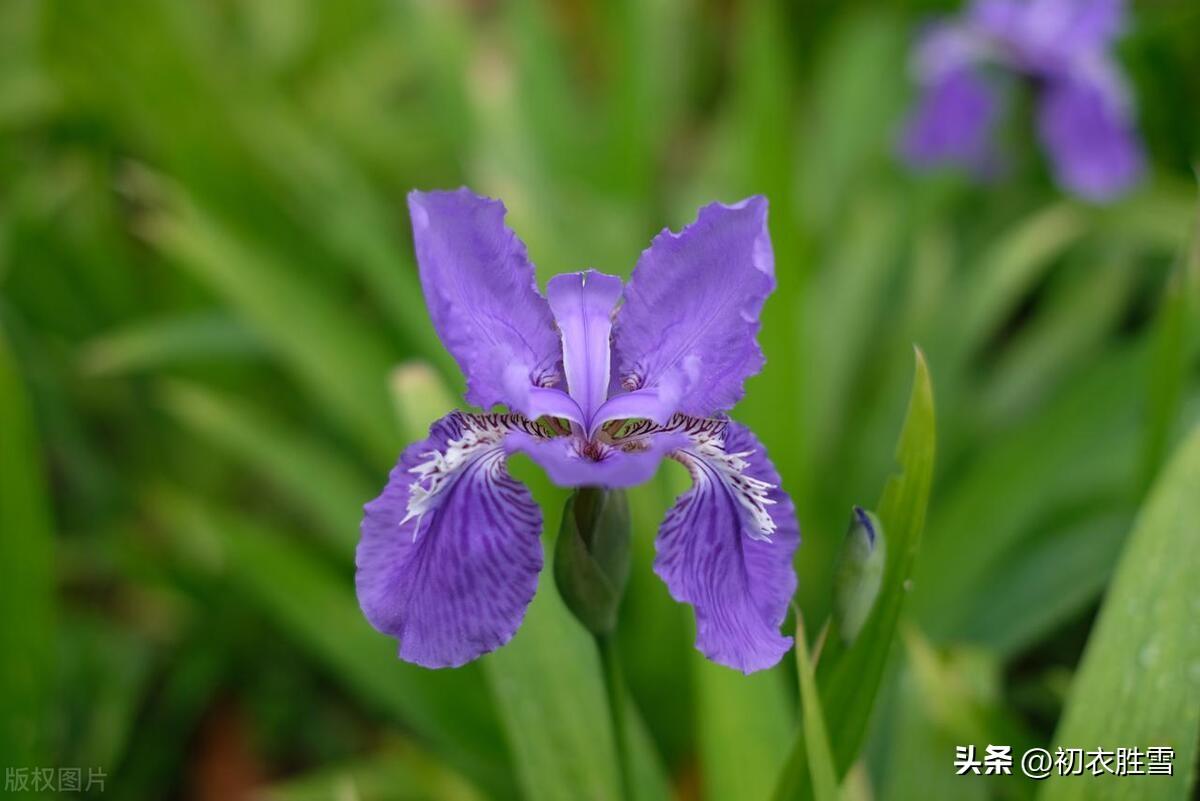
x,y
332,353
743,726
161,739
403,772
1171,353
647,94
1085,439
106,677
358,229
1046,580
550,695
943,699
915,761
27,631
1084,307
850,677
646,768
1139,682
820,756
329,489
180,339
846,297
742,721
1007,270
1156,217
655,632
315,606
850,113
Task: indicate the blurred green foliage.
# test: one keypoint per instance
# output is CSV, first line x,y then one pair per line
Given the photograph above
x,y
207,287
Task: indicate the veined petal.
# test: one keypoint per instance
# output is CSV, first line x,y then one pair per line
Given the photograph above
x,y
582,304
450,551
1093,147
688,324
572,462
482,295
726,546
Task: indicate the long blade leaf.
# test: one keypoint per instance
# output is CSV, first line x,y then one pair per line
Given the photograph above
x,y
26,583
1139,684
849,677
816,737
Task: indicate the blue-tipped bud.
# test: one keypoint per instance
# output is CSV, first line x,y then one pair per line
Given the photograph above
x,y
859,574
591,558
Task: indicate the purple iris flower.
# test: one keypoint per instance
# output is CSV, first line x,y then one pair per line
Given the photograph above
x,y
1084,112
602,381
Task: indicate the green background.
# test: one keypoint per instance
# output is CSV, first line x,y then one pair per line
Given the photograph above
x,y
213,346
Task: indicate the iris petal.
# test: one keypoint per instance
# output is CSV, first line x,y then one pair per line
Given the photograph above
x,y
688,324
718,553
582,304
1048,34
1083,125
482,296
953,123
450,551
571,462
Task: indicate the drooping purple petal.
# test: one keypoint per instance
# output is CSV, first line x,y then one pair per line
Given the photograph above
x,y
570,462
482,295
726,548
582,304
953,123
688,325
449,569
1093,148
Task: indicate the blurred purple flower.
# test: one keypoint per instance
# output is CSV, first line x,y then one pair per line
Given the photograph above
x,y
1084,114
450,550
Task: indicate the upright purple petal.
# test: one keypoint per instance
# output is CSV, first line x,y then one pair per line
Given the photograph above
x,y
450,552
998,19
686,332
1077,25
482,295
582,304
945,47
952,124
1044,35
1093,147
726,548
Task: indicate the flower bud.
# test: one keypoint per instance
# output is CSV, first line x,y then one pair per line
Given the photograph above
x,y
591,558
859,573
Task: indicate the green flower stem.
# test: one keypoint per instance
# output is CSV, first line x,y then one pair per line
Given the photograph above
x,y
614,685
